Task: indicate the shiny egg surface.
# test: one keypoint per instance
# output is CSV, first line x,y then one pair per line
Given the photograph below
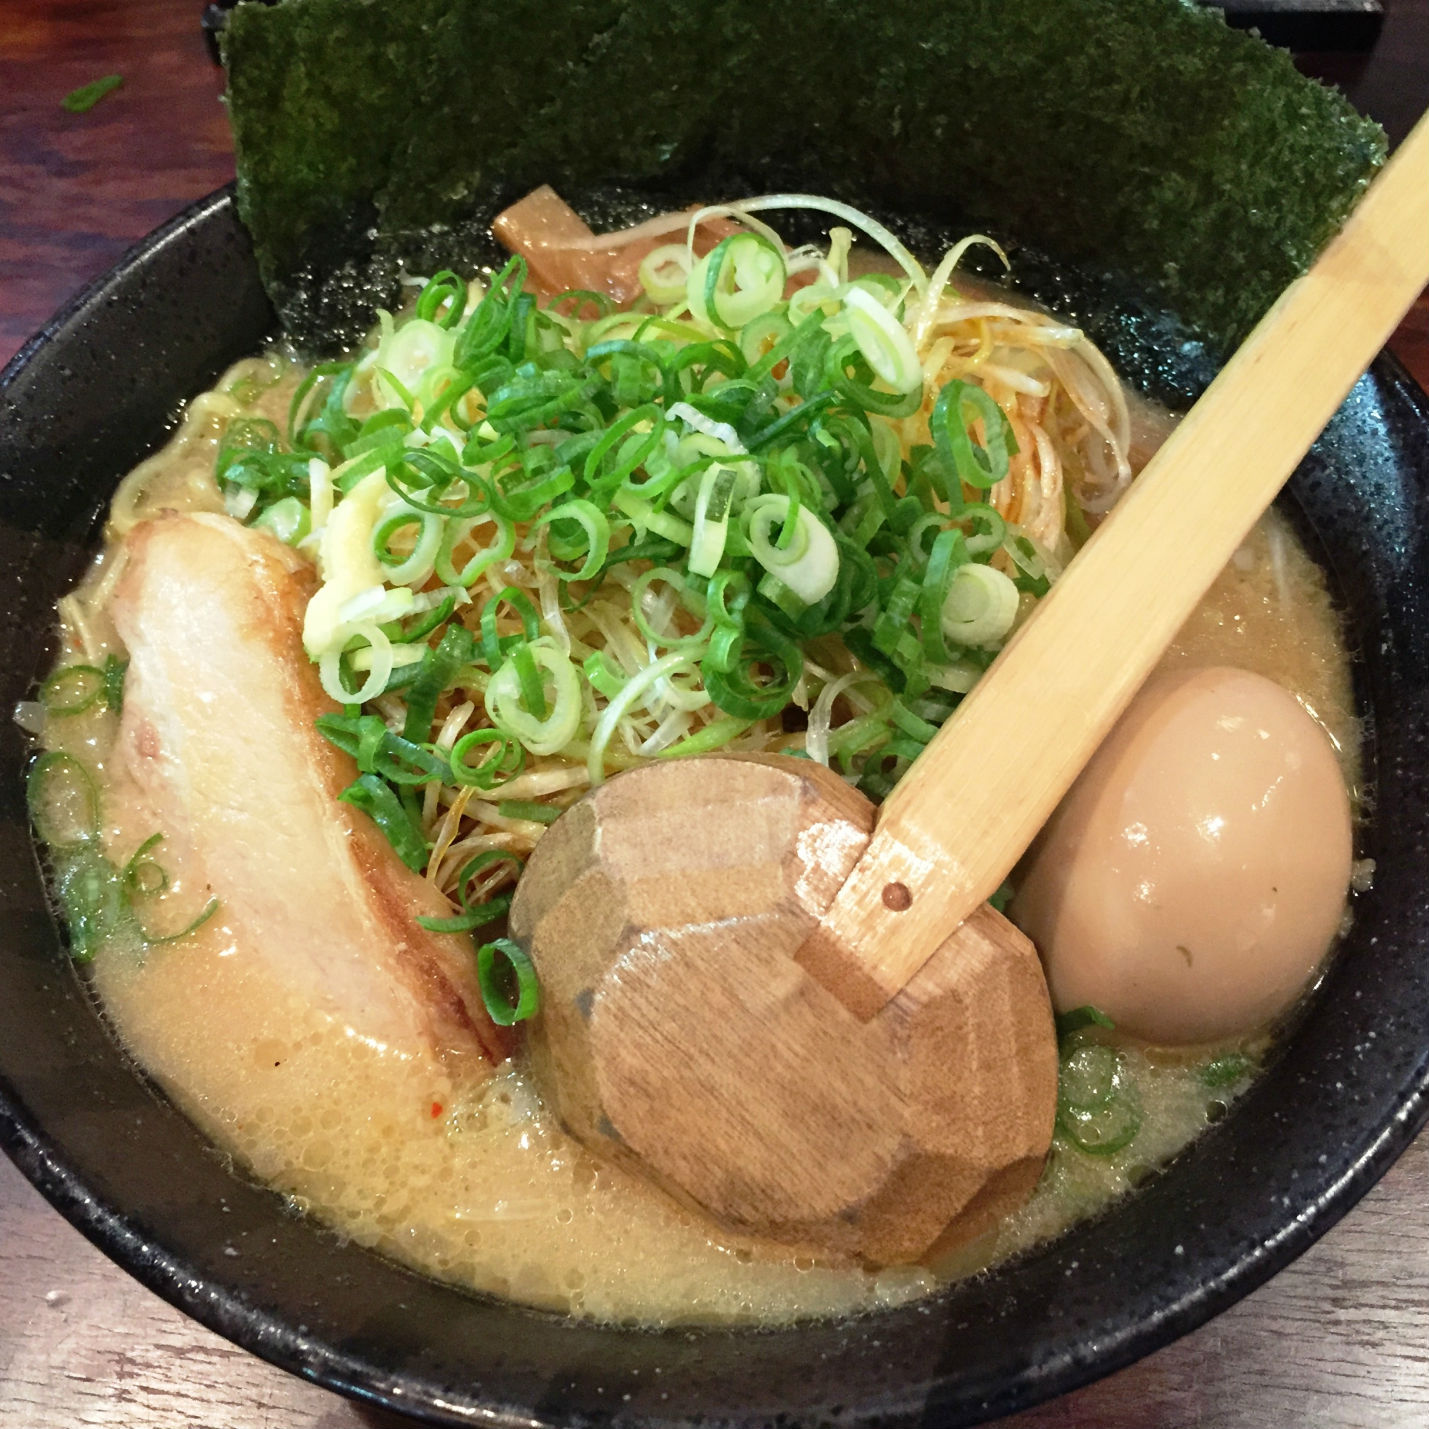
x,y
1192,880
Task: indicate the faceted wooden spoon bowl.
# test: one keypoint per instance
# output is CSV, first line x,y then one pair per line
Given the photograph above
x,y
666,913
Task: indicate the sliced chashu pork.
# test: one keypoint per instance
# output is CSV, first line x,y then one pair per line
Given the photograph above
x,y
217,734
562,253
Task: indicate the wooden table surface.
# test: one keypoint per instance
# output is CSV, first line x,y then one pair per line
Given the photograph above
x,y
1341,1338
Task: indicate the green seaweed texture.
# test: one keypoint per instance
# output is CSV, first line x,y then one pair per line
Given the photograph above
x,y
1136,137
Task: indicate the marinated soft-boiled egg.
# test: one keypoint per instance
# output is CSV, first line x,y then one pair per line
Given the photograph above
x,y
1193,878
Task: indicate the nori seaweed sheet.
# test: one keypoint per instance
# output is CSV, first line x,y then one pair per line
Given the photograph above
x,y
1141,138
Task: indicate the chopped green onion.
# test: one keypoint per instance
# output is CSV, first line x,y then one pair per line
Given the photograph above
x,y
645,517
466,922
98,899
741,277
115,670
288,519
378,751
981,605
664,273
144,877
502,763
641,595
442,299
853,379
332,669
376,799
731,671
492,646
91,896
533,689
991,528
503,969
764,339
474,915
83,99
491,321
1097,1106
715,735
530,810
1076,1018
437,672
983,465
883,341
63,800
806,558
1226,1070
711,519
596,526
73,690
158,939
554,725
454,531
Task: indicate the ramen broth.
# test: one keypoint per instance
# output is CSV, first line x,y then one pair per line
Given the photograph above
x,y
476,1184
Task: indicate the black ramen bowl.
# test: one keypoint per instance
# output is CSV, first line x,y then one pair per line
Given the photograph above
x,y
100,387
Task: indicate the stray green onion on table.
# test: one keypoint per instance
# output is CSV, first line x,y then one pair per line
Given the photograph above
x,y
83,99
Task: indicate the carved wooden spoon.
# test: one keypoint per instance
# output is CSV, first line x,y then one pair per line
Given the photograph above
x,y
795,1011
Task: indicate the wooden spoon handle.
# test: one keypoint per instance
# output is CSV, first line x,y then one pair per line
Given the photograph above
x,y
989,780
